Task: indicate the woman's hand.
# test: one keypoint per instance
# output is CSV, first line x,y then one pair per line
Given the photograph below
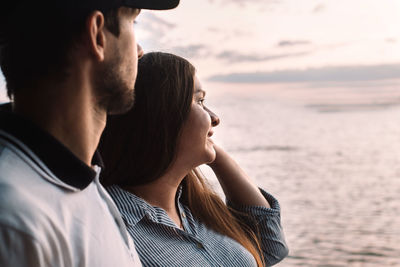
x,y
237,185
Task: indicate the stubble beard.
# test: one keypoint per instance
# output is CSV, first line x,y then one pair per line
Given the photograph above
x,y
114,93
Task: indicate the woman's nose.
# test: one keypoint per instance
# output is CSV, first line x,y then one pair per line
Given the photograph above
x,y
214,118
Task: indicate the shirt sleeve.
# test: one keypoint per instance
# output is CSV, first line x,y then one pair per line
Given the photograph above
x,y
19,249
266,224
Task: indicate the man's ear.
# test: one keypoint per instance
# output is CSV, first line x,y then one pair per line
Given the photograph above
x,y
96,36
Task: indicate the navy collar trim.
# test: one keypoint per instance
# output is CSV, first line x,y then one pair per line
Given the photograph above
x,y
58,158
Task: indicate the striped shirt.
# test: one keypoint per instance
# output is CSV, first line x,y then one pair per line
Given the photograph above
x,y
159,242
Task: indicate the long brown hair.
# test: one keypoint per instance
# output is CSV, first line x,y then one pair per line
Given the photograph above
x,y
138,147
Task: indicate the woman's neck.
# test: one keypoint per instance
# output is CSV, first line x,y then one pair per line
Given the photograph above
x,y
162,192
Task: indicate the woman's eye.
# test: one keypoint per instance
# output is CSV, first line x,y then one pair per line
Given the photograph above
x,y
201,101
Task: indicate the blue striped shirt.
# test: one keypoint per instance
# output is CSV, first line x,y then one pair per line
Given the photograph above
x,y
159,242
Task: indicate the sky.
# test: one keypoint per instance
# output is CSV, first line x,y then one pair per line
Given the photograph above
x,y
280,40
269,41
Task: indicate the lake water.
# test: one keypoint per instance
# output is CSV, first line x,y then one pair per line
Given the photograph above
x,y
330,154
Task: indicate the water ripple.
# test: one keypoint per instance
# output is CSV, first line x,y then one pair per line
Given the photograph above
x,y
266,148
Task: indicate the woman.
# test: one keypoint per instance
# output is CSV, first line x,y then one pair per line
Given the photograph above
x,y
151,155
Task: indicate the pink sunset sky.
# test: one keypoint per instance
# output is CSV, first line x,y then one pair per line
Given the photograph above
x,y
278,41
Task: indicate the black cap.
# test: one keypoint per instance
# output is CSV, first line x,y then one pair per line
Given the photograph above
x,y
149,4
8,7
107,4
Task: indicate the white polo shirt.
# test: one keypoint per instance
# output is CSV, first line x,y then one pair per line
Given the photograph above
x,y
53,210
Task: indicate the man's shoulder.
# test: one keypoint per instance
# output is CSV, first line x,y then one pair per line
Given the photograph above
x,y
11,162
19,173
24,195
40,210
31,219
29,202
33,210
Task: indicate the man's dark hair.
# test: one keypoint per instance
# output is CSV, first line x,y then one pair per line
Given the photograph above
x,y
139,146
38,40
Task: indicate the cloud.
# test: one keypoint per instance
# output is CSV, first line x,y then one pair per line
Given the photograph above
x,y
286,43
158,21
243,3
155,25
214,29
253,1
330,108
391,40
234,57
153,31
190,51
318,8
325,74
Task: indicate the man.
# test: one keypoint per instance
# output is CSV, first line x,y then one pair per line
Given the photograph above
x,y
67,65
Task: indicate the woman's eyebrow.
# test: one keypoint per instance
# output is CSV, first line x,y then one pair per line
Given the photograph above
x,y
201,91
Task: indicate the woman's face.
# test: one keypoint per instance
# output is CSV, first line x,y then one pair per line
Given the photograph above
x,y
195,144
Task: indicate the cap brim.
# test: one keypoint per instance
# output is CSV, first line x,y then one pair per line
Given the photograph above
x,y
152,4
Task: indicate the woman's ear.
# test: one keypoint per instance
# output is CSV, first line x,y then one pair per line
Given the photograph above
x,y
95,31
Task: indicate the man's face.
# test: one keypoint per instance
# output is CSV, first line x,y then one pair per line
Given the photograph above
x,y
117,75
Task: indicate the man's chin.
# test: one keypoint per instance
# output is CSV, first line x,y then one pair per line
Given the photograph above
x,y
123,105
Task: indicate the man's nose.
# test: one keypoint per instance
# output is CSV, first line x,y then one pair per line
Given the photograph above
x,y
140,51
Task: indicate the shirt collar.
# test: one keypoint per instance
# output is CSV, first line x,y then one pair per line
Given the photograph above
x,y
133,208
58,158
